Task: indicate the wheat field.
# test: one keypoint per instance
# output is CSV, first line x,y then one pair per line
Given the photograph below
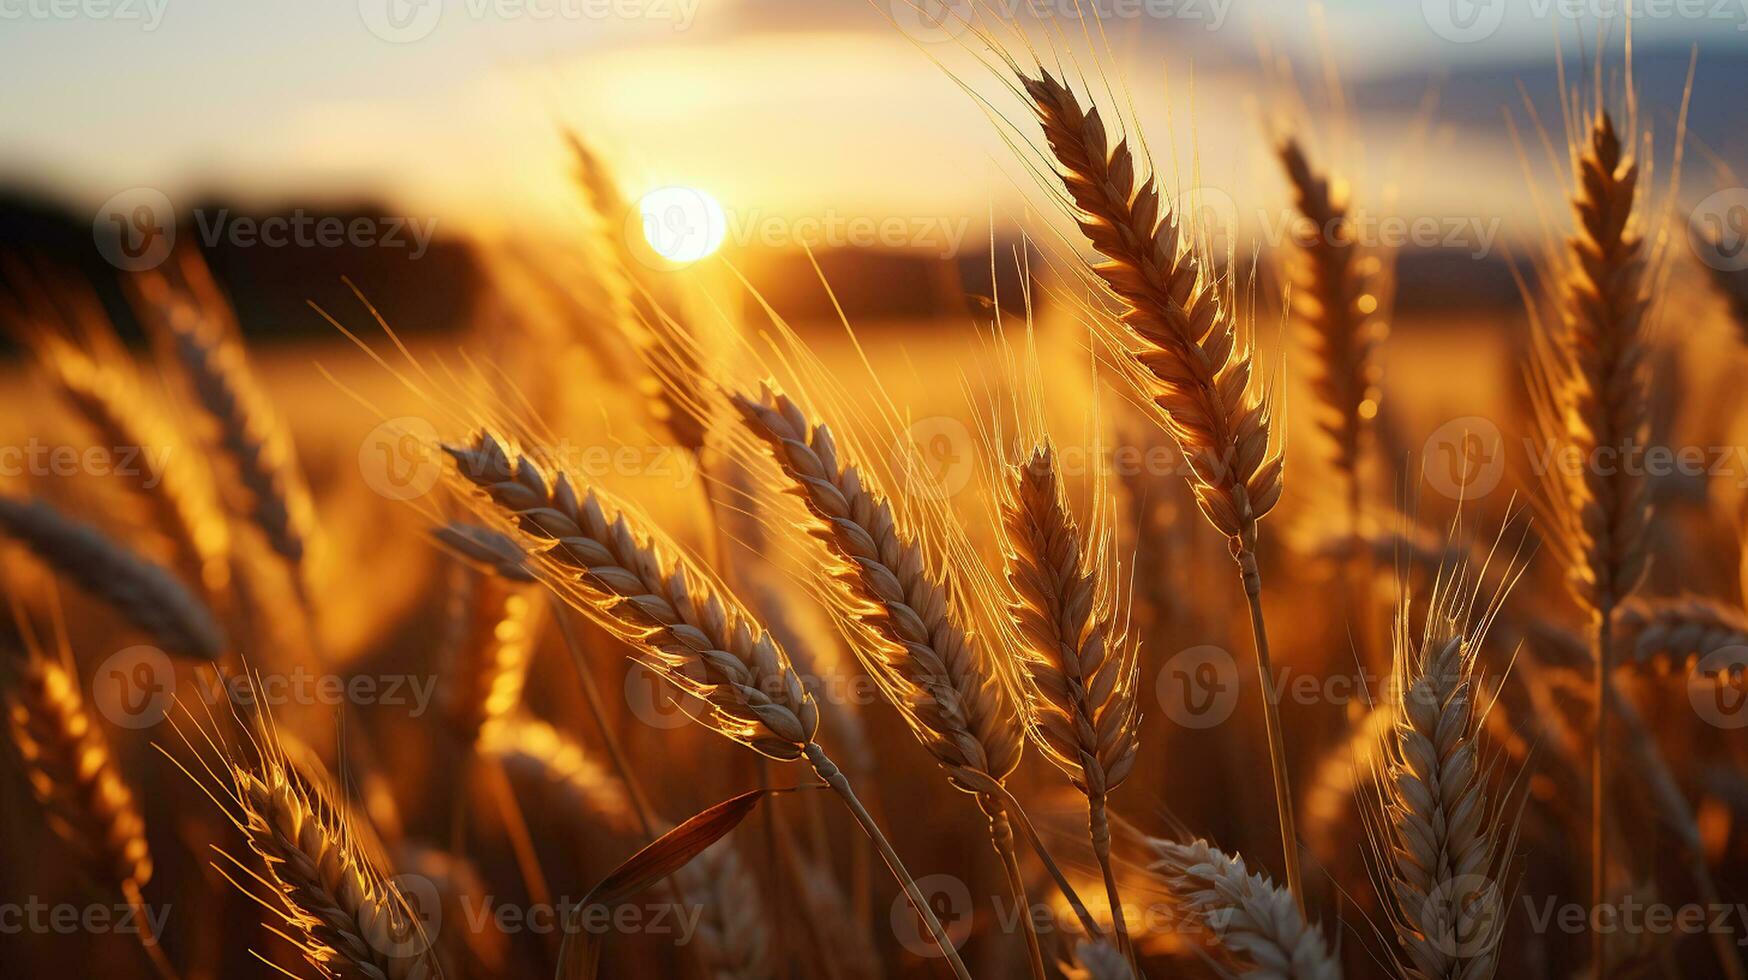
x,y
1162,607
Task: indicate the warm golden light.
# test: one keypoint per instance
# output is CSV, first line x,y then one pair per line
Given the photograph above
x,y
682,224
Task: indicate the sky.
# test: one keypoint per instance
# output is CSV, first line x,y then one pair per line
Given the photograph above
x,y
453,107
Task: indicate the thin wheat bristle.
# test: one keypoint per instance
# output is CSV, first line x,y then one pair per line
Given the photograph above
x,y
1255,921
1334,304
350,918
939,679
147,595
1079,667
1685,633
1189,345
70,768
685,623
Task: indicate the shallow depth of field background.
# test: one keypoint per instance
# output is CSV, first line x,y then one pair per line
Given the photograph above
x,y
807,121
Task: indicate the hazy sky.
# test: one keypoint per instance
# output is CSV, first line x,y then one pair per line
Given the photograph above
x,y
453,104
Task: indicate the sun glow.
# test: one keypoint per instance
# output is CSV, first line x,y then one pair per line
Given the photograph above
x,y
682,224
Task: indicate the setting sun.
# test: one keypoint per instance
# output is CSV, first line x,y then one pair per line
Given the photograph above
x,y
682,224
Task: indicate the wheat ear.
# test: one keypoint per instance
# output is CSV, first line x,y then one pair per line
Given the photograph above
x,y
1254,920
74,776
147,595
1443,847
1592,396
1334,305
494,626
184,501
917,648
249,433
1185,343
1690,633
350,920
1078,667
686,624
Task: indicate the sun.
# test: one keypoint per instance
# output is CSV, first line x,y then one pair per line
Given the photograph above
x,y
682,224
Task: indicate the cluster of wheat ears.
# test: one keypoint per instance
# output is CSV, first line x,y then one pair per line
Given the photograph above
x,y
1034,613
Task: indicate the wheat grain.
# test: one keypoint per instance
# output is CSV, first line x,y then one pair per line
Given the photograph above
x,y
1255,921
494,627
564,777
145,594
734,926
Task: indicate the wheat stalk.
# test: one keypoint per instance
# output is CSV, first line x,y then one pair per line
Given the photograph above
x,y
1255,921
1078,666
145,594
1183,341
685,623
1592,397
